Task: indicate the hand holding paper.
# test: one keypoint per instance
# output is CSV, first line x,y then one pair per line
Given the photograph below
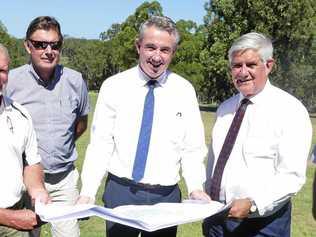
x,y
145,217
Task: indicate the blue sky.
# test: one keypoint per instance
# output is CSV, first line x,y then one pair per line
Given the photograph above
x,y
88,18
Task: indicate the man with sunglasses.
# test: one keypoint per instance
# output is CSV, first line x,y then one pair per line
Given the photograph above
x,y
57,99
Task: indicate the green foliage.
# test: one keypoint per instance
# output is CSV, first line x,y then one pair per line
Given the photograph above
x,y
202,53
186,61
121,37
15,47
288,23
89,57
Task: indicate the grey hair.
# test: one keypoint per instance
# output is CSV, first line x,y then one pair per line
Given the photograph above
x,y
162,23
254,41
4,51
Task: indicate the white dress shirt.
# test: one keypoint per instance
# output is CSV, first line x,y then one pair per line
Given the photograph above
x,y
177,138
269,158
17,139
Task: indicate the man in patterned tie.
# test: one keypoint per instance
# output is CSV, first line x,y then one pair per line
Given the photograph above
x,y
266,164
146,126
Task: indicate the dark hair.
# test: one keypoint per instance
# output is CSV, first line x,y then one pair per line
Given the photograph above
x,y
43,23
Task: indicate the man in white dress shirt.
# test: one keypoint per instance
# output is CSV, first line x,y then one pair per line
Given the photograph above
x,y
177,135
267,163
20,167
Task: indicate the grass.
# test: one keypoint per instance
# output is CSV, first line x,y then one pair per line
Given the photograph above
x,y
303,224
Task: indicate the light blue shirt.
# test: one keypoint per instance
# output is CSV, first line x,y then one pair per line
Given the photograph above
x,y
55,108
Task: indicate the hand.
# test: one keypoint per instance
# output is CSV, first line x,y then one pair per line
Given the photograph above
x,y
41,195
240,208
21,219
200,195
85,200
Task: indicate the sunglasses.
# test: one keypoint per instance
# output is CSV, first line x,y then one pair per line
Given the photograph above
x,y
43,44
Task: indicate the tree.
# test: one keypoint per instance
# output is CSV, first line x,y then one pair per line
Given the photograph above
x,y
287,23
88,57
121,37
187,59
15,47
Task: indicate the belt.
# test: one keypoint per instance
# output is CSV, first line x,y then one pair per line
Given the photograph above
x,y
149,187
54,178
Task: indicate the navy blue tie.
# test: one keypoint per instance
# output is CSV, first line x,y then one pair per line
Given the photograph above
x,y
144,134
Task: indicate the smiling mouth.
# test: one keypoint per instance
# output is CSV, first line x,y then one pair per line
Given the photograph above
x,y
48,60
240,81
155,67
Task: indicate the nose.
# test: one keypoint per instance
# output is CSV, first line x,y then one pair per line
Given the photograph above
x,y
48,49
244,70
156,55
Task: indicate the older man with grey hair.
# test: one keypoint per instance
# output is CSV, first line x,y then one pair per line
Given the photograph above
x,y
260,145
20,167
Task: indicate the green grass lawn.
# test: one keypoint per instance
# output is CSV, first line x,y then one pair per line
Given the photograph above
x,y
303,224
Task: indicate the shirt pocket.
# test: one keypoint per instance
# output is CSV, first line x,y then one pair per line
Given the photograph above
x,y
260,154
68,109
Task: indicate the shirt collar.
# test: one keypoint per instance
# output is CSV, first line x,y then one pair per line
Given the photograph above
x,y
144,78
262,96
58,71
5,104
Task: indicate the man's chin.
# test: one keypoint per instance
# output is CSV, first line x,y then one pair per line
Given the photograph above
x,y
47,65
153,75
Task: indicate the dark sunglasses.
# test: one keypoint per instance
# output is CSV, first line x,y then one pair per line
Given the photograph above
x,y
43,44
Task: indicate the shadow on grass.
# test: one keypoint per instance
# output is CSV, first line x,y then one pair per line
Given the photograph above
x,y
208,108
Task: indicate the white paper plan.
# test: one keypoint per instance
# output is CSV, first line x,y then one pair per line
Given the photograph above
x,y
145,217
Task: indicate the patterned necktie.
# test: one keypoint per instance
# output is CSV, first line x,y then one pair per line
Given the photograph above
x,y
144,134
226,149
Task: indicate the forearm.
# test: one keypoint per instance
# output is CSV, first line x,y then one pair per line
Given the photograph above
x,y
4,216
93,169
34,181
18,219
193,170
81,126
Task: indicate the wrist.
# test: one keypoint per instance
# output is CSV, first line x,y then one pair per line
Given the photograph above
x,y
253,206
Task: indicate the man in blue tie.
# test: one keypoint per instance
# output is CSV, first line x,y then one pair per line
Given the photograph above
x,y
146,126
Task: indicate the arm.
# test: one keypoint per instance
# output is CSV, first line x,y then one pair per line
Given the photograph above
x,y
289,165
194,149
33,179
83,109
18,219
81,126
33,176
100,147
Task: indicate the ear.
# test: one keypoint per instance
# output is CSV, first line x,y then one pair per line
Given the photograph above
x,y
27,47
269,65
137,45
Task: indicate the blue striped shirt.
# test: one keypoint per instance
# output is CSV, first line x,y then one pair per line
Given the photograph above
x,y
55,107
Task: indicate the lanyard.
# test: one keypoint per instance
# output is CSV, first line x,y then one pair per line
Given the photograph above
x,y
9,123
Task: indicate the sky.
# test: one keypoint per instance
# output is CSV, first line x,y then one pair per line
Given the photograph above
x,y
88,18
